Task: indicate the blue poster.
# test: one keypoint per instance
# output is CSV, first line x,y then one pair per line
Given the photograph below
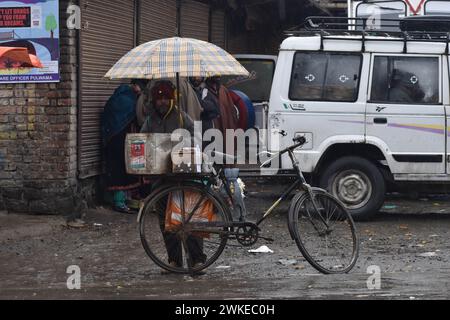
x,y
29,41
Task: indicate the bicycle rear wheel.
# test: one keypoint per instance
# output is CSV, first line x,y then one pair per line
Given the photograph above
x,y
326,237
170,237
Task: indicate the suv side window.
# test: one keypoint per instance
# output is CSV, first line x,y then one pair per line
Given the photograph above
x,y
409,80
325,76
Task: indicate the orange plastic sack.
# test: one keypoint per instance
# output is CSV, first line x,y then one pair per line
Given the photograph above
x,y
204,212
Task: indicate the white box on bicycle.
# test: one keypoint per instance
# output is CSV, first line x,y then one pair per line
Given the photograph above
x,y
148,153
190,160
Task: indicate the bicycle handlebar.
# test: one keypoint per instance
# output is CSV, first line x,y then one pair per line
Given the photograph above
x,y
299,141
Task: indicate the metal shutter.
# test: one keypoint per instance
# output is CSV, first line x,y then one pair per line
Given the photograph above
x,y
218,28
157,19
238,44
108,33
194,20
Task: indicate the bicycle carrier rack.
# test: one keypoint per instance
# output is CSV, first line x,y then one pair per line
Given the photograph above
x,y
363,29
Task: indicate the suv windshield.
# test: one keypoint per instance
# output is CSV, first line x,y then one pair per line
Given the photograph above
x,y
258,85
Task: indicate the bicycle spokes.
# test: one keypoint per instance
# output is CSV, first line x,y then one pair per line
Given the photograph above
x,y
177,229
325,233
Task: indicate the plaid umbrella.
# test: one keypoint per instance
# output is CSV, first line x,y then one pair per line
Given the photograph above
x,y
173,57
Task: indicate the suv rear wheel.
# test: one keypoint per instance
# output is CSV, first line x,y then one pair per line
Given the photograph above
x,y
358,183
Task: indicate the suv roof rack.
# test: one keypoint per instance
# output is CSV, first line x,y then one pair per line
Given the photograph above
x,y
407,29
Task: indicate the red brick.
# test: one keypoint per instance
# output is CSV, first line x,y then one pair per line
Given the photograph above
x,y
6,93
7,110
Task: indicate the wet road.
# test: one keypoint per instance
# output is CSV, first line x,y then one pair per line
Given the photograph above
x,y
408,241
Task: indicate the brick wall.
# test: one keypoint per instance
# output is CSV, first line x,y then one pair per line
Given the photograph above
x,y
38,138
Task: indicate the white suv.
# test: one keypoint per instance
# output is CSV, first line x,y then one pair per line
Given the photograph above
x,y
373,106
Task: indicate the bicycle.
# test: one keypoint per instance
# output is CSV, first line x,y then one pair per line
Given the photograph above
x,y
322,228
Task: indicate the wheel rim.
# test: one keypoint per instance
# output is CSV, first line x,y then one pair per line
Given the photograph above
x,y
335,251
154,239
353,188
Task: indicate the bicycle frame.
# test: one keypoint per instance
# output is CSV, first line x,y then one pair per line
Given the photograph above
x,y
300,182
304,205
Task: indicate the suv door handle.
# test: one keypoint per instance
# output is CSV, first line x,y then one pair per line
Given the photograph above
x,y
380,120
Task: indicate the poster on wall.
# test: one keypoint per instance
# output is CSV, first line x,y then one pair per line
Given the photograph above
x,y
29,41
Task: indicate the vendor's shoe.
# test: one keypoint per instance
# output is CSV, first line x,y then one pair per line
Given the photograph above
x,y
173,264
199,265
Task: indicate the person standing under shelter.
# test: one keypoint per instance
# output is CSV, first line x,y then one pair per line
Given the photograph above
x,y
209,104
228,118
163,114
189,101
165,117
119,119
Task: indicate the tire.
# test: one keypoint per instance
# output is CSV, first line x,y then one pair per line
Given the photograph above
x,y
204,248
356,182
327,238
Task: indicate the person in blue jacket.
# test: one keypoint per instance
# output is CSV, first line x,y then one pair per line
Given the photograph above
x,y
119,119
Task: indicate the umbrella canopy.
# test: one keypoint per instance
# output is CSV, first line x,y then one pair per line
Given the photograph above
x,y
172,57
19,57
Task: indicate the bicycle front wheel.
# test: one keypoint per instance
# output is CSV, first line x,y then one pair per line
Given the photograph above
x,y
178,228
325,233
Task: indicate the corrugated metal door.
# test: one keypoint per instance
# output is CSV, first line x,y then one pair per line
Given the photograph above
x,y
107,34
238,43
218,35
194,20
157,19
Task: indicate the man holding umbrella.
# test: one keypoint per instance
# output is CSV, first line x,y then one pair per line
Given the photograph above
x,y
174,58
165,117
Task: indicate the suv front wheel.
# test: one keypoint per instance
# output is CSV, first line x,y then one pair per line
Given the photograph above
x,y
358,183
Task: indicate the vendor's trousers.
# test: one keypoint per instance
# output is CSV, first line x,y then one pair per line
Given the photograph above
x,y
173,243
